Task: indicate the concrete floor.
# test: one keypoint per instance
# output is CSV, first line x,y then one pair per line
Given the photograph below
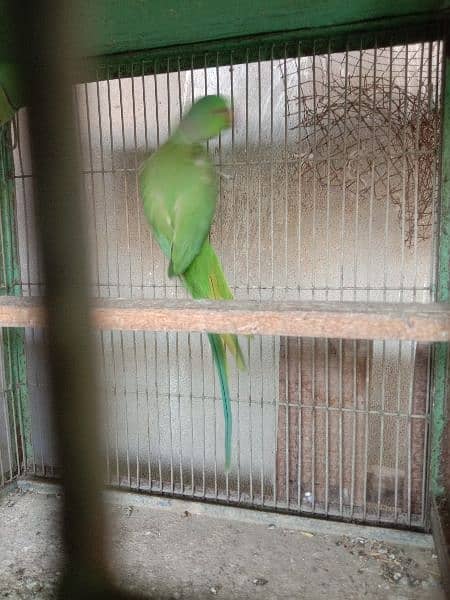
x,y
180,550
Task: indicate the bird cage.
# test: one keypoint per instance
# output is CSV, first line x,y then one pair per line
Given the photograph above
x,y
329,201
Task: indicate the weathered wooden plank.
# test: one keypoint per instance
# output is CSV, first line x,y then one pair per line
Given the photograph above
x,y
347,320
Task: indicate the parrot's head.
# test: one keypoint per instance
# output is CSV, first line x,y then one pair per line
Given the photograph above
x,y
206,119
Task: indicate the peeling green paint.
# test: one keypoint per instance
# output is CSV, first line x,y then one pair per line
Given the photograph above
x,y
441,351
14,357
440,358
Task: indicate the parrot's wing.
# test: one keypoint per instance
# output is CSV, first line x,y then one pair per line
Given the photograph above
x,y
193,211
179,189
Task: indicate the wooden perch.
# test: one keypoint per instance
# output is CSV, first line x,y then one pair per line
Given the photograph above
x,y
347,320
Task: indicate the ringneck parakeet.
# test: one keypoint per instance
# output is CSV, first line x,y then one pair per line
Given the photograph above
x,y
178,187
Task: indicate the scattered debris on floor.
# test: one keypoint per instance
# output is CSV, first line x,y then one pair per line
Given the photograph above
x,y
396,566
167,556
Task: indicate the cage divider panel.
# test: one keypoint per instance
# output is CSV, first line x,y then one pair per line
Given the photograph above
x,y
14,379
305,213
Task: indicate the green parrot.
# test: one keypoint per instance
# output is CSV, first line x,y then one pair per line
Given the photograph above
x,y
178,187
12,94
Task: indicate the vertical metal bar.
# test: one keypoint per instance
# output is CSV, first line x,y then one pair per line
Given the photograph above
x,y
314,184
3,475
134,79
328,167
62,236
300,423
355,346
31,380
211,360
5,229
299,278
341,424
313,286
235,245
8,473
412,366
180,437
382,410
287,409
169,407
103,335
347,131
313,426
272,234
247,210
272,279
438,101
327,286
286,400
419,109
358,178
412,362
122,334
180,441
13,339
441,352
398,371
191,413
326,377
202,371
94,202
145,334
366,430
157,396
425,463
111,335
155,335
220,220
260,283
405,177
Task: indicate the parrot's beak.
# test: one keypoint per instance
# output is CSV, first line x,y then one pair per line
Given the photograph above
x,y
228,113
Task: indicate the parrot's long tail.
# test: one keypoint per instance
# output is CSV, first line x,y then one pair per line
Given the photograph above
x,y
205,279
220,360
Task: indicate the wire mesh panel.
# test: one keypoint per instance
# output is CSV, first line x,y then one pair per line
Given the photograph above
x,y
328,191
14,423
11,439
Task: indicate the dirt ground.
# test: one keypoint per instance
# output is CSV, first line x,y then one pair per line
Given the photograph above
x,y
181,555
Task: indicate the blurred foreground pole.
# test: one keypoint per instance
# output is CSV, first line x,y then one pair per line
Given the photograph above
x,y
47,40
